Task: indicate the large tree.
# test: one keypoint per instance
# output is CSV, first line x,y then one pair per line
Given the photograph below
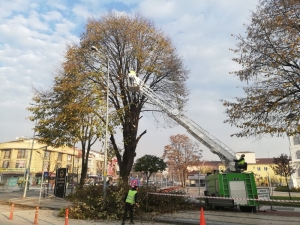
x,y
124,43
269,56
181,153
132,42
282,168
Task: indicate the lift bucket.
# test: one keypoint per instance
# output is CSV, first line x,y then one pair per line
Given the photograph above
x,y
132,84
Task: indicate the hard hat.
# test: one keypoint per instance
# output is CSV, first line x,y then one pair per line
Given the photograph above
x,y
132,72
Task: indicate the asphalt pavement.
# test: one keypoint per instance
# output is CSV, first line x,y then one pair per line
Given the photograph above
x,y
25,211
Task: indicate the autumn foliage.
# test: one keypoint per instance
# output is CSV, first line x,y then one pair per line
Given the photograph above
x,y
72,110
269,57
181,153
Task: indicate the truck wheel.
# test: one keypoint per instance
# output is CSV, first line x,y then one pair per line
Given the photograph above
x,y
246,208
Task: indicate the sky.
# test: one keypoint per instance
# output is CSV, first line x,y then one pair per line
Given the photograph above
x,y
34,35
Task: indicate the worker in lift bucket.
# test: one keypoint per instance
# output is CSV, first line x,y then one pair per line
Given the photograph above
x,y
239,163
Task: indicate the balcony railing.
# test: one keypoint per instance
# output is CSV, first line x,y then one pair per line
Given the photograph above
x,y
15,169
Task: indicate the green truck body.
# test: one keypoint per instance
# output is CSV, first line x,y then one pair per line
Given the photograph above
x,y
239,186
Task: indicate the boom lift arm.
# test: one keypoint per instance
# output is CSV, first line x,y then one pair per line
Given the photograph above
x,y
226,155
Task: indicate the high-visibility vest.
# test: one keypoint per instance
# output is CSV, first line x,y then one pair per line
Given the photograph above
x,y
130,196
242,162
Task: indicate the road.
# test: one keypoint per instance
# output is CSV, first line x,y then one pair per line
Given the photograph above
x,y
17,193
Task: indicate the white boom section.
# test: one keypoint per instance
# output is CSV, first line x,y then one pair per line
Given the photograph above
x,y
226,155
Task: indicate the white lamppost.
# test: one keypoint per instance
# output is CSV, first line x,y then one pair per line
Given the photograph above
x,y
106,126
43,171
199,175
73,170
29,164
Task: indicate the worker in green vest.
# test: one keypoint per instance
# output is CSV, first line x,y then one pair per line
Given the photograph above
x,y
129,201
240,162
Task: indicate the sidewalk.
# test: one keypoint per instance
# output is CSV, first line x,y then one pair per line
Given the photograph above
x,y
49,217
49,208
52,203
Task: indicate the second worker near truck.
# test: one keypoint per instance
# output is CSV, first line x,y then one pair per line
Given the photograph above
x,y
240,162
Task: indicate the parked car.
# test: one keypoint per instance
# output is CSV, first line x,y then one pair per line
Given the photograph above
x,y
72,185
98,183
44,184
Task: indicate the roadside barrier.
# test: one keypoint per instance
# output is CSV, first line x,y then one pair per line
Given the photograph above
x,y
170,189
67,217
202,196
36,215
11,212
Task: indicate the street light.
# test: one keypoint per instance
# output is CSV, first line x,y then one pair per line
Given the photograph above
x,y
94,48
29,163
73,170
199,175
43,171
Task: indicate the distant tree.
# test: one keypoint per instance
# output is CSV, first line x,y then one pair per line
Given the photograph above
x,y
181,153
66,113
269,56
149,164
282,168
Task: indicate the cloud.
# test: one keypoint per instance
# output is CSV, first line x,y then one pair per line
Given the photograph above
x,y
52,16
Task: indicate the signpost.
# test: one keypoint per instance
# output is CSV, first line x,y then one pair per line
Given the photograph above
x,y
61,182
263,193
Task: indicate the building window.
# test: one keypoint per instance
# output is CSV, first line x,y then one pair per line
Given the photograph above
x,y
20,164
298,154
296,140
6,154
58,165
47,155
5,164
59,157
46,166
22,154
258,168
265,168
69,158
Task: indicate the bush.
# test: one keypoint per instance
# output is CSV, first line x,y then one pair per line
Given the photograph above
x,y
87,202
285,189
164,203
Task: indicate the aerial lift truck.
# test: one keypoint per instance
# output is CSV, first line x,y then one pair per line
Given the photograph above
x,y
234,183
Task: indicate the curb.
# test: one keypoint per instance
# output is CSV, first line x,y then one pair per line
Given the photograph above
x,y
181,221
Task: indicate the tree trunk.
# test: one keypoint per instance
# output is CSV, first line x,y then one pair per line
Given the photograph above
x,y
83,174
130,142
287,185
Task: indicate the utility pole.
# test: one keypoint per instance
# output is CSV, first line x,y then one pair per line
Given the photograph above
x,y
94,48
29,164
